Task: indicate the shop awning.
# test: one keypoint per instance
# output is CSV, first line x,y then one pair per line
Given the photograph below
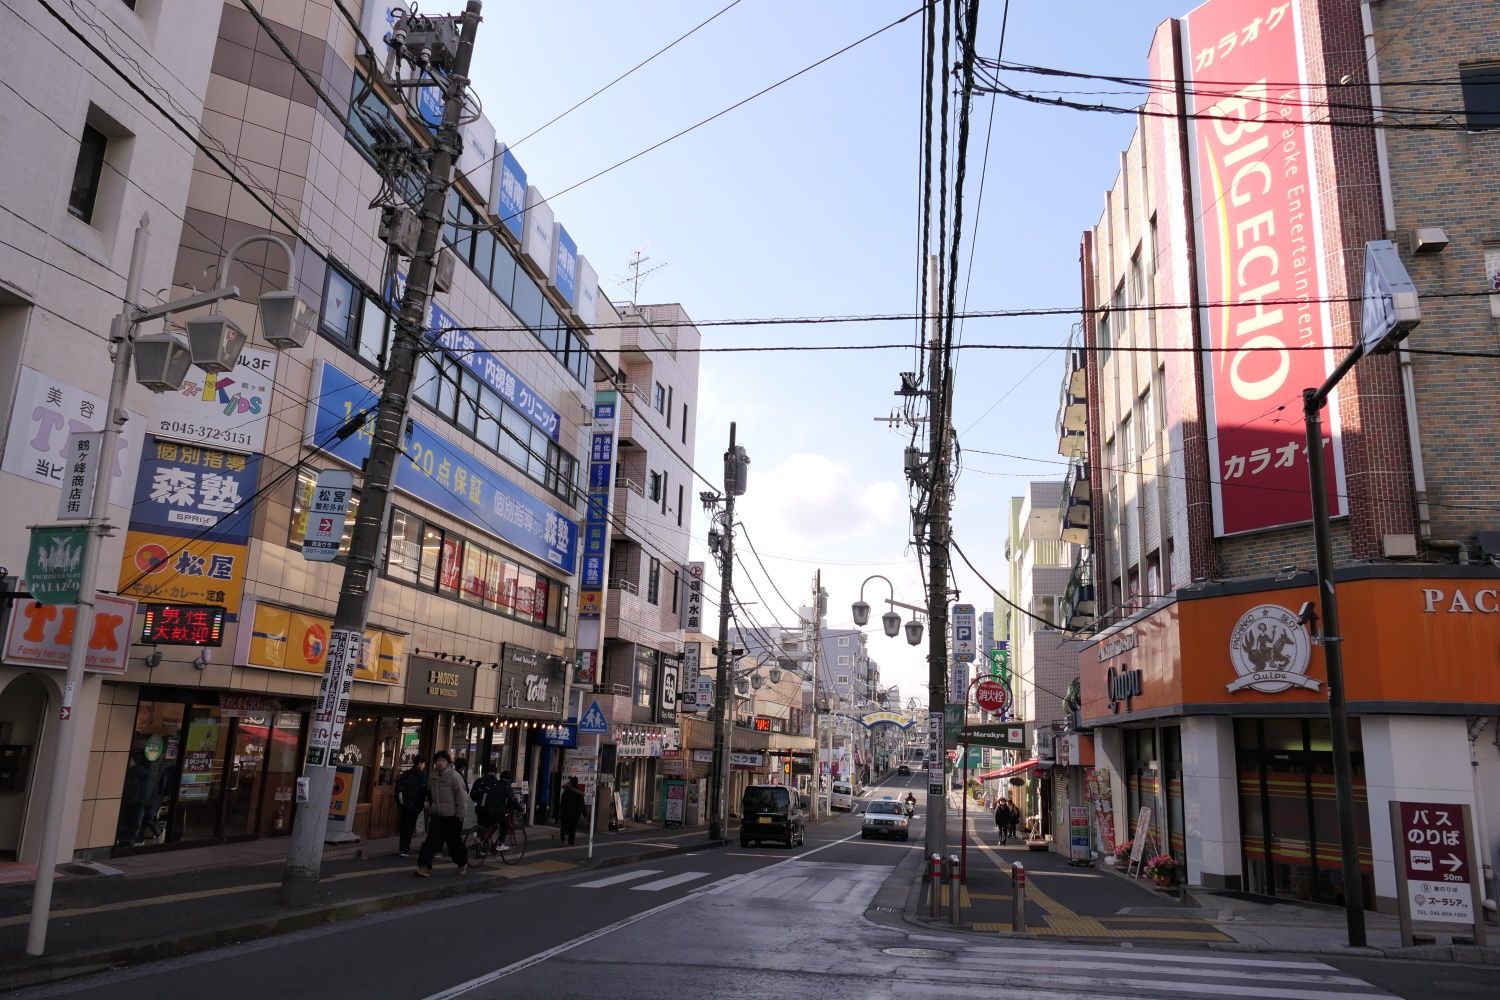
x,y
1006,772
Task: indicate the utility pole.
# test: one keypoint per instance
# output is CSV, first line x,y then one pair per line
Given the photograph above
x,y
735,474
815,644
345,642
937,570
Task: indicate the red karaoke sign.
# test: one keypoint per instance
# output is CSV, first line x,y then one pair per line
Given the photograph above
x,y
1267,330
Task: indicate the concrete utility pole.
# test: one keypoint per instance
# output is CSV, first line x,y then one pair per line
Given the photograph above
x,y
814,645
734,484
937,571
325,738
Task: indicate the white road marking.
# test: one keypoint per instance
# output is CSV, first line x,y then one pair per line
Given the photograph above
x,y
630,876
667,883
567,946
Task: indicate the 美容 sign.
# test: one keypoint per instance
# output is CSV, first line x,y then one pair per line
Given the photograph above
x,y
44,412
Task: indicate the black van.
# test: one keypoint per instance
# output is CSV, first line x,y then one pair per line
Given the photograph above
x,y
771,812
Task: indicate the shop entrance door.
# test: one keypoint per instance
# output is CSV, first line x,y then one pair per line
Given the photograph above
x,y
249,739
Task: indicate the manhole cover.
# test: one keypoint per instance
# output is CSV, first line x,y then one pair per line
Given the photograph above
x,y
916,952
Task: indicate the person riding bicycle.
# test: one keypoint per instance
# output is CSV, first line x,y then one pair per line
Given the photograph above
x,y
493,797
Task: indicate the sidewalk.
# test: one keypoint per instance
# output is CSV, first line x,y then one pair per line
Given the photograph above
x,y
171,903
1103,904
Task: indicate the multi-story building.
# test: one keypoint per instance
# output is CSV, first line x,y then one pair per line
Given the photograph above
x,y
650,359
472,624
1203,679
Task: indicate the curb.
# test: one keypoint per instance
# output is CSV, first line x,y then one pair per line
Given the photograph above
x,y
22,971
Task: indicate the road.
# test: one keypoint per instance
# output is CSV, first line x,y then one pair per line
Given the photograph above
x,y
823,920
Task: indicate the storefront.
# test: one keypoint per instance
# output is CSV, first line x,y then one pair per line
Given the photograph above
x,y
532,696
638,774
1216,697
206,767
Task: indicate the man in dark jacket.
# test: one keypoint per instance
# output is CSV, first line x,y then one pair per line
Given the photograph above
x,y
570,810
411,799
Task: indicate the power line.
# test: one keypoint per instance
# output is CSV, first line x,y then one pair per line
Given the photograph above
x,y
628,72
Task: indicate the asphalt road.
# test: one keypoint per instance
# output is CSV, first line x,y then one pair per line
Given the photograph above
x,y
765,923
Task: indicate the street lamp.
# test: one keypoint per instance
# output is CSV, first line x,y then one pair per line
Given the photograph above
x,y
890,621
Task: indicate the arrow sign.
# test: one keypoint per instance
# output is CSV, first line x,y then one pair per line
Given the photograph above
x,y
593,720
1452,862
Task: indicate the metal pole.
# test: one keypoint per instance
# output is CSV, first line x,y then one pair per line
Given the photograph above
x,y
594,801
953,882
325,737
1333,656
937,573
1018,897
719,823
83,621
963,837
816,658
934,885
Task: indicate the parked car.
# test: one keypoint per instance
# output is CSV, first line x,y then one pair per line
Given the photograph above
x,y
885,818
772,812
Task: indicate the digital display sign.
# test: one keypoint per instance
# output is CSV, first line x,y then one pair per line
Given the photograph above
x,y
762,724
182,625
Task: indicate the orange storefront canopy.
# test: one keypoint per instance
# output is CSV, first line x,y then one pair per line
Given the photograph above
x,y
1006,772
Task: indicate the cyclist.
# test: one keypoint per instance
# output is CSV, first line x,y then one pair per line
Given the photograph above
x,y
494,799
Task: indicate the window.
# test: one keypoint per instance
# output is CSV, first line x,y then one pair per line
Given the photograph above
x,y
653,581
1481,86
1492,276
684,423
86,173
676,585
664,492
1153,575
374,329
653,491
1127,445
668,410
1103,336
842,680
659,400
680,505
302,500
844,641
1147,420
843,661
404,554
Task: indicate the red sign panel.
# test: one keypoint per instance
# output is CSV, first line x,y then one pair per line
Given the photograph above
x,y
182,625
991,695
1265,319
762,724
1434,844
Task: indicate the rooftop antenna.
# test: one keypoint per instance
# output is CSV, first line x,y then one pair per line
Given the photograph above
x,y
638,271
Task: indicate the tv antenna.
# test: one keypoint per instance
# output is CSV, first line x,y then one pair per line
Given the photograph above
x,y
638,271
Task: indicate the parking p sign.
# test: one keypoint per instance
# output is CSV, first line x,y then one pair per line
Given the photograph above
x,y
963,633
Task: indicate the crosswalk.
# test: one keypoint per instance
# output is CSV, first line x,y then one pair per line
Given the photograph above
x,y
682,878
1114,973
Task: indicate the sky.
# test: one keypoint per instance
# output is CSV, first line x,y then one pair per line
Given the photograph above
x,y
805,202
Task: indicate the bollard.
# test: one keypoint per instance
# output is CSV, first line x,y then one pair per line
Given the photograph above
x,y
1018,898
934,886
953,883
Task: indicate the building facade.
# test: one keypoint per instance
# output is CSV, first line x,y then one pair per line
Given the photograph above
x,y
1201,679
472,632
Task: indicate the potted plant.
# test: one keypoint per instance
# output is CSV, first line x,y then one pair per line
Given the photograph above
x,y
1162,868
1120,856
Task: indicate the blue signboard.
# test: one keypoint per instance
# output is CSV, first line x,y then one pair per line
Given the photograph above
x,y
595,531
188,489
485,364
511,203
593,720
441,474
565,266
430,106
558,734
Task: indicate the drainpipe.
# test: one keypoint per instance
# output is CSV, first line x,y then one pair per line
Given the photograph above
x,y
1487,871
1388,207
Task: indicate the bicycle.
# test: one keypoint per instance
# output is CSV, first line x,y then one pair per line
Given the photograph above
x,y
489,840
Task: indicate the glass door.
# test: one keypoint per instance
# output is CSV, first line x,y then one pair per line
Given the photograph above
x,y
249,738
281,774
196,814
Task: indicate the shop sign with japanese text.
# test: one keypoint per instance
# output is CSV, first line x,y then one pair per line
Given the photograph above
x,y
187,489
441,474
220,410
1432,855
41,635
45,411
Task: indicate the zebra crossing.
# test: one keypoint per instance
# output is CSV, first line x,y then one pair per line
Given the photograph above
x,y
669,882
1115,973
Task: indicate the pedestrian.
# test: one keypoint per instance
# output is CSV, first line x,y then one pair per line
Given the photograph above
x,y
570,811
1002,817
1013,818
411,799
493,799
445,826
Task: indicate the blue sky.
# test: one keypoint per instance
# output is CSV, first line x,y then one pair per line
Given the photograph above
x,y
804,202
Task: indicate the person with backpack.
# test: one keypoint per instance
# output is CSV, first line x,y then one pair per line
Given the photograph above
x,y
491,795
411,799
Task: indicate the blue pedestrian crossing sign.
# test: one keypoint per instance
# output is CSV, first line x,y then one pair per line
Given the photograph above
x,y
594,720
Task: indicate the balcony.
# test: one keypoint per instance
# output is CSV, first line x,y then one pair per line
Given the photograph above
x,y
1079,606
628,492
1076,510
1072,408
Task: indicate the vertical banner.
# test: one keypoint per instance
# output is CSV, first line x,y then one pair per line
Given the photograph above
x,y
596,523
80,471
693,617
326,737
1266,326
